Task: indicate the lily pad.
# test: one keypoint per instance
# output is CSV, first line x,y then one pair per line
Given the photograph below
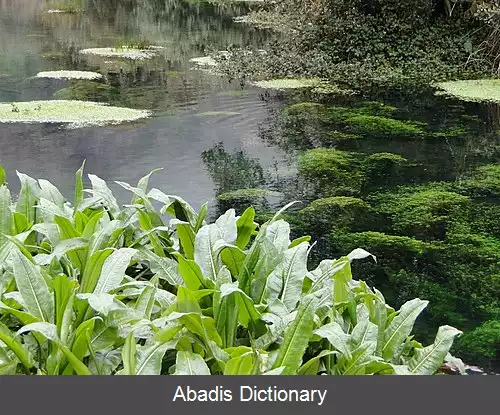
x,y
122,52
70,75
480,90
74,113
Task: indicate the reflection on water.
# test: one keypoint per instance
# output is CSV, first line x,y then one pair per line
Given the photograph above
x,y
32,40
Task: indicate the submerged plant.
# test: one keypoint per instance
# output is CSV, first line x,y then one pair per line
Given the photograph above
x,y
91,288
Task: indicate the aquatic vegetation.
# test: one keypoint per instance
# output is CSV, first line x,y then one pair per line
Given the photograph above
x,y
479,90
481,345
154,282
384,169
65,6
484,181
316,85
425,213
329,167
88,91
339,212
74,113
123,52
70,75
377,125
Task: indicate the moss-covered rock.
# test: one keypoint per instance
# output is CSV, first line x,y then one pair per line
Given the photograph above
x,y
330,168
382,169
485,181
340,212
381,126
425,213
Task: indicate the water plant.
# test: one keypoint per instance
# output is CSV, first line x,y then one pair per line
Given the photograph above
x,y
123,52
70,75
73,113
92,288
476,90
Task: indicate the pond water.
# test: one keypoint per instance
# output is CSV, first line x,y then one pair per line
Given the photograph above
x,y
436,237
33,40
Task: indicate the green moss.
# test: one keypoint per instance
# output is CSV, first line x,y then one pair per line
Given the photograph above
x,y
88,91
338,212
377,125
485,181
481,345
382,169
376,108
425,213
244,194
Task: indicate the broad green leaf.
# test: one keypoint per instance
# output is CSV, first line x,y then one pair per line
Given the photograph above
x,y
51,193
204,253
248,316
341,279
33,288
10,340
312,366
190,273
335,335
233,258
101,189
49,331
297,337
22,316
164,268
401,326
241,365
226,318
149,358
186,237
146,301
245,227
64,295
113,270
62,248
278,233
188,363
426,361
28,196
106,237
294,270
93,269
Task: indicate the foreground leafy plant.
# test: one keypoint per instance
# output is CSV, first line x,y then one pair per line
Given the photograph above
x,y
90,288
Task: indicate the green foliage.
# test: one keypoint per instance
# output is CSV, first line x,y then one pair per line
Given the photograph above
x,y
338,211
88,91
92,288
329,168
380,126
485,181
482,345
384,169
425,213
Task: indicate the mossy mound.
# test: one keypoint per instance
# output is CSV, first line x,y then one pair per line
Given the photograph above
x,y
74,113
70,75
479,90
378,125
341,212
382,169
88,91
485,181
425,213
326,163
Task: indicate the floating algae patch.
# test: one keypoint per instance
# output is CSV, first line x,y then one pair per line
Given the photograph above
x,y
122,52
74,113
70,75
480,90
316,85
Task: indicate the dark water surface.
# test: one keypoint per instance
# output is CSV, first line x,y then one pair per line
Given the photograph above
x,y
32,40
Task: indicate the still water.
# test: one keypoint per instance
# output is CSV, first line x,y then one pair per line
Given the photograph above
x,y
174,138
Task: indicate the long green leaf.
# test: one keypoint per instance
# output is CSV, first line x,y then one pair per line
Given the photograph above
x,y
297,337
33,288
188,363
